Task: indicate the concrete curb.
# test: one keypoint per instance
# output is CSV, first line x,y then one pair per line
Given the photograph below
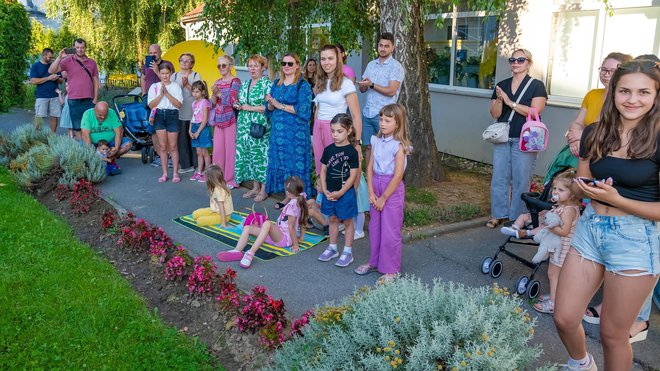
x,y
120,209
443,229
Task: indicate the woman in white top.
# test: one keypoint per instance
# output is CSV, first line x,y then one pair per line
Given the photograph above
x,y
185,78
334,94
167,98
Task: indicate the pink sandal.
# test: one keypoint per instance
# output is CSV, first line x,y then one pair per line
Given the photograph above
x,y
230,256
162,179
176,178
247,260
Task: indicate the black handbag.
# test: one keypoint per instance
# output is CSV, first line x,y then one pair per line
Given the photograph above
x,y
257,130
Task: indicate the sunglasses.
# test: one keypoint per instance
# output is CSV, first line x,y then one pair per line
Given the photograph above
x,y
222,65
642,64
518,60
290,64
185,60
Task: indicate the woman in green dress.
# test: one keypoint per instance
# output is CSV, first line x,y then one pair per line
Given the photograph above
x,y
251,144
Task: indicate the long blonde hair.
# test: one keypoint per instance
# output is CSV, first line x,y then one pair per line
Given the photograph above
x,y
215,178
398,112
322,77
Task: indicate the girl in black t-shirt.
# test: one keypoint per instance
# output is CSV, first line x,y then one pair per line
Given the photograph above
x,y
616,241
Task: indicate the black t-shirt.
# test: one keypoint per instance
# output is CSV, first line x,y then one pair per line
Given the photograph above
x,y
636,179
535,89
339,162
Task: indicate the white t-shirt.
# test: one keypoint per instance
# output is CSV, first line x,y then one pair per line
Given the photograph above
x,y
173,88
330,103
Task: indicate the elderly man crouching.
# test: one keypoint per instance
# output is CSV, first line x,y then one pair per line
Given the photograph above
x,y
102,123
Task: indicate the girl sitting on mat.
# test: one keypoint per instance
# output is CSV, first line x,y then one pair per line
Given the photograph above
x,y
285,232
221,202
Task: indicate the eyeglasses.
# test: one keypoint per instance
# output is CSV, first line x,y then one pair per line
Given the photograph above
x,y
290,64
520,60
605,71
222,65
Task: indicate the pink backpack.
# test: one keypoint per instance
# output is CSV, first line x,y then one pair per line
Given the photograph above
x,y
534,134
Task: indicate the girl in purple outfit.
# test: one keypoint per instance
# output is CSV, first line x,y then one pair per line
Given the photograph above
x,y
386,193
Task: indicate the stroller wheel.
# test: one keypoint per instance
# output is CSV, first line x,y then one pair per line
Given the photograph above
x,y
496,268
521,285
485,264
533,289
145,155
152,156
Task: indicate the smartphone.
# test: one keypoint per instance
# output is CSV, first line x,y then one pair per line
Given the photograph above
x,y
587,180
70,50
148,60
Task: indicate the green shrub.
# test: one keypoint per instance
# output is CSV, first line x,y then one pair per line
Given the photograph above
x,y
412,326
15,29
30,96
20,140
32,165
76,160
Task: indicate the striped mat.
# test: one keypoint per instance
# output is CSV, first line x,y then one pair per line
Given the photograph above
x,y
229,236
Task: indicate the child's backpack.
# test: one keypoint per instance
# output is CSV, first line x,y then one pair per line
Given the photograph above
x,y
534,134
255,218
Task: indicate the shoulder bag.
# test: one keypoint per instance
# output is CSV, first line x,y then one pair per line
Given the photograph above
x,y
498,132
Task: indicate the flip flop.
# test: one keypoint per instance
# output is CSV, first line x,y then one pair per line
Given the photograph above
x,y
279,205
230,256
594,318
176,178
162,179
260,197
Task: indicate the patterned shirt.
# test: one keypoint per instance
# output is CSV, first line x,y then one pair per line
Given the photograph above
x,y
381,74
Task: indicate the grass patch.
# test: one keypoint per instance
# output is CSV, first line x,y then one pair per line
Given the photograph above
x,y
421,196
416,216
64,307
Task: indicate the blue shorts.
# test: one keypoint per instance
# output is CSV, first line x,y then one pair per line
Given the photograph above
x,y
76,109
204,139
619,243
344,208
124,141
370,126
167,119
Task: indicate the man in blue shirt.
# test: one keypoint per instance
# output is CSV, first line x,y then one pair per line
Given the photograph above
x,y
47,103
381,81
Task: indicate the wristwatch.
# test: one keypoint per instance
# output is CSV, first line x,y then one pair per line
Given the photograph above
x,y
514,105
372,85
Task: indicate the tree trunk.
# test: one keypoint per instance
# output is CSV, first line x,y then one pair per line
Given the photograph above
x,y
424,161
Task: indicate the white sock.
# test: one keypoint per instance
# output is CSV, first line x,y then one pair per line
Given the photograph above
x,y
347,250
359,223
332,247
579,362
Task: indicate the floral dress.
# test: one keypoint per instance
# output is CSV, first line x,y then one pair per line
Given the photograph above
x,y
252,153
290,149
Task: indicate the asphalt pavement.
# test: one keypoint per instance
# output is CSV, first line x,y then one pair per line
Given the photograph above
x,y
304,282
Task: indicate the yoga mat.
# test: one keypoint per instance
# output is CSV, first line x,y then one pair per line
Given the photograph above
x,y
229,236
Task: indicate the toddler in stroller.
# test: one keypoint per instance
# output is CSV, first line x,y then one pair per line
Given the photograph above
x,y
553,233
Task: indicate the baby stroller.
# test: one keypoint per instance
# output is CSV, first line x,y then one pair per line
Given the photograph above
x,y
535,202
134,116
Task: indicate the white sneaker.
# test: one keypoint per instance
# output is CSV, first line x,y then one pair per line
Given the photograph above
x,y
590,366
358,235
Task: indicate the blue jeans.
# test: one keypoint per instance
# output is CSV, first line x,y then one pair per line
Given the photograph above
x,y
512,173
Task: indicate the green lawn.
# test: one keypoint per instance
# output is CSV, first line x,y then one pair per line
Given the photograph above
x,y
63,307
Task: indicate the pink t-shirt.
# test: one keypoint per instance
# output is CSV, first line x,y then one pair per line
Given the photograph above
x,y
198,108
348,71
79,84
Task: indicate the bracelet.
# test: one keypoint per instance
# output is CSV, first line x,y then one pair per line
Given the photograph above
x,y
282,106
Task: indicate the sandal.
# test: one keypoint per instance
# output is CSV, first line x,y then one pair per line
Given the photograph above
x,y
593,317
279,205
365,269
260,197
247,260
251,193
547,306
162,179
387,278
176,178
641,336
542,298
494,222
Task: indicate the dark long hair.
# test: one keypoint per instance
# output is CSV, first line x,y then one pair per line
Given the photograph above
x,y
605,138
345,120
296,187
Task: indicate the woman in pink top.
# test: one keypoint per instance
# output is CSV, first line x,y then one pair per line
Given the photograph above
x,y
225,96
346,69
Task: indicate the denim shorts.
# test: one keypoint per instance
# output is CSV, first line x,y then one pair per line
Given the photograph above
x,y
124,141
619,243
76,109
167,119
370,126
204,139
344,208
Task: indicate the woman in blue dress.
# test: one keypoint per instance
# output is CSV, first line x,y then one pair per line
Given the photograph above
x,y
288,106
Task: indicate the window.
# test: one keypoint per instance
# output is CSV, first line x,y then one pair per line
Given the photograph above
x,y
574,60
470,41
